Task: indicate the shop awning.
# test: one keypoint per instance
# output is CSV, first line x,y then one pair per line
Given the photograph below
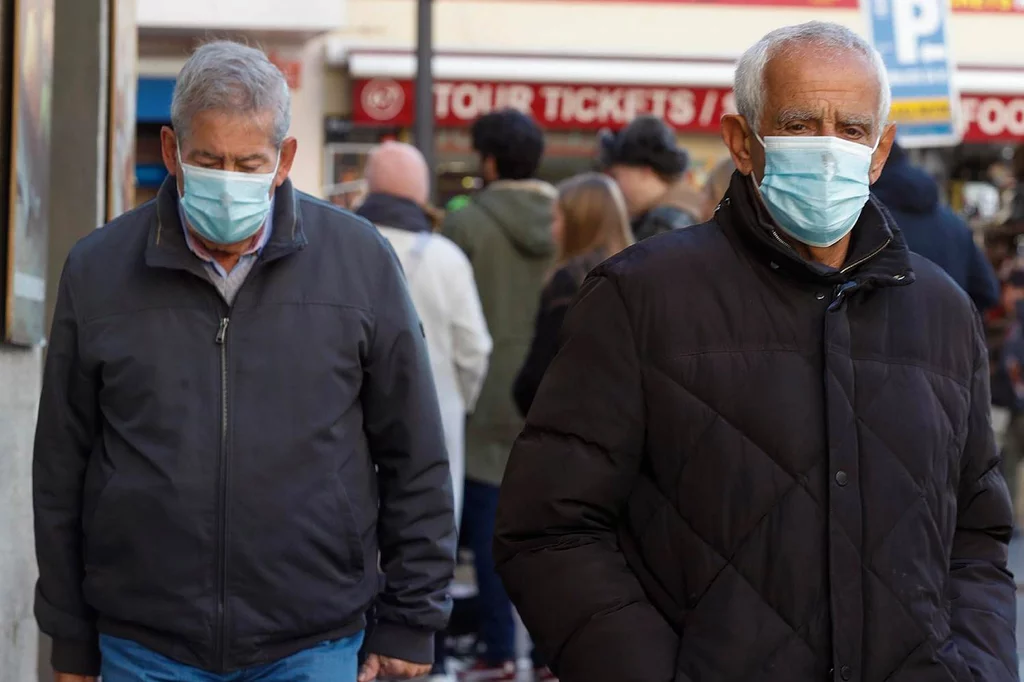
x,y
401,65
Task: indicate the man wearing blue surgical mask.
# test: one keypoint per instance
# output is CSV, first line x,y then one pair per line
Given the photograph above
x,y
763,451
240,470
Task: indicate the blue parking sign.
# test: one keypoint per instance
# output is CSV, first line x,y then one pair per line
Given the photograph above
x,y
913,38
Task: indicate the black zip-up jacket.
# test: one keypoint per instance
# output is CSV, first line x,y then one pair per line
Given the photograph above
x,y
744,467
214,481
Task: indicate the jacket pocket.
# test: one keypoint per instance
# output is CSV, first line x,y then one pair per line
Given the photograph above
x,y
99,484
350,551
950,658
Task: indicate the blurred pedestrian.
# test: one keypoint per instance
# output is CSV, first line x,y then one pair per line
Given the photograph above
x,y
933,230
1016,210
441,284
238,430
751,457
505,230
650,168
716,185
1008,381
590,225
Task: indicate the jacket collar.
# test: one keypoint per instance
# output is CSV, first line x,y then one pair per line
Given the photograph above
x,y
878,254
166,246
393,211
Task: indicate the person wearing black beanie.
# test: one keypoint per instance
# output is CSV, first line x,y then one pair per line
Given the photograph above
x,y
649,166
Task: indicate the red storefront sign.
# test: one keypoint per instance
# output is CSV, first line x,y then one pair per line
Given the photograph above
x,y
993,117
383,101
776,3
996,6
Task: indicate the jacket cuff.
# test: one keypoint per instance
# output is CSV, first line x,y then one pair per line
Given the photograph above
x,y
413,645
75,657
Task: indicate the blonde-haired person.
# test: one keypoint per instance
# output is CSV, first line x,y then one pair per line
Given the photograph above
x,y
716,185
590,225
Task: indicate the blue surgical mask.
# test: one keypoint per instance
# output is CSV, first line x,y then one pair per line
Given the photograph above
x,y
226,207
815,187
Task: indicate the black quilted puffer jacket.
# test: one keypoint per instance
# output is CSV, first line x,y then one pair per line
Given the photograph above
x,y
742,467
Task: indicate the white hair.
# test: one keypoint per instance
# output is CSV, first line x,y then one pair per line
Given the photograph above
x,y
227,76
749,86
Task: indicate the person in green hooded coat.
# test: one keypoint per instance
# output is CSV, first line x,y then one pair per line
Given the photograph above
x,y
505,230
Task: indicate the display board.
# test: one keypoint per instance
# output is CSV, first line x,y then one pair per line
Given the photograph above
x,y
913,38
29,181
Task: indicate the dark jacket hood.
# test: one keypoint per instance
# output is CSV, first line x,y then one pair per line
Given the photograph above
x,y
904,187
522,208
680,206
388,210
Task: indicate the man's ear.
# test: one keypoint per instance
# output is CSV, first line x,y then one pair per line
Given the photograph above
x,y
736,135
881,154
289,148
169,149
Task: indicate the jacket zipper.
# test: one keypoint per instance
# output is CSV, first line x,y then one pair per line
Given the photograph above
x,y
222,555
845,268
866,258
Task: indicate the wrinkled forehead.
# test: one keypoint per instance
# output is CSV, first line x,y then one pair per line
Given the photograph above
x,y
230,135
818,84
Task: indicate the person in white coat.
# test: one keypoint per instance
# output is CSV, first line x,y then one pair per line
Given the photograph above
x,y
441,285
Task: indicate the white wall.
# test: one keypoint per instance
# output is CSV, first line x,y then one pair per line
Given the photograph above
x,y
243,15
662,29
308,119
20,372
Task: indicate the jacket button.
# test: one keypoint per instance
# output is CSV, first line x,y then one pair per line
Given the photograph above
x,y
846,672
842,479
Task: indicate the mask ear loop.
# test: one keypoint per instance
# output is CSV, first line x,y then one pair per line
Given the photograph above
x,y
181,167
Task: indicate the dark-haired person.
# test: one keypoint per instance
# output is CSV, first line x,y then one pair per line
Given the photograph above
x,y
505,230
644,159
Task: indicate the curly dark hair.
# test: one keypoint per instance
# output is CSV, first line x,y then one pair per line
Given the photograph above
x,y
647,141
512,139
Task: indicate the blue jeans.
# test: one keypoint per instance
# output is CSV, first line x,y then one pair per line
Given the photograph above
x,y
497,628
126,661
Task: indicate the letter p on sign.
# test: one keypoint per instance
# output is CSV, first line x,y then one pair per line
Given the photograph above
x,y
915,21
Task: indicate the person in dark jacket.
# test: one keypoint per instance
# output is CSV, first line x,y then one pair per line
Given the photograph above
x,y
649,166
238,424
590,225
750,460
933,230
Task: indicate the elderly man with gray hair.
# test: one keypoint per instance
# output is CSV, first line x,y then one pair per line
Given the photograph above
x,y
240,470
763,452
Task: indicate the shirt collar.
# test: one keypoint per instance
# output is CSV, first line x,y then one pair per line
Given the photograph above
x,y
201,252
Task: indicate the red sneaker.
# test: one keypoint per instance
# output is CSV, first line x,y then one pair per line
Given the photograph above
x,y
482,671
544,675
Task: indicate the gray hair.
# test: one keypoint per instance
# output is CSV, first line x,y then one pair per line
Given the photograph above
x,y
227,76
749,85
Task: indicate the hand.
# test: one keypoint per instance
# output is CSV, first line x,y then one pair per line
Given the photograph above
x,y
66,677
387,668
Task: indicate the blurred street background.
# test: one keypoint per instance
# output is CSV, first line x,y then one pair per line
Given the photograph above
x,y
86,85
